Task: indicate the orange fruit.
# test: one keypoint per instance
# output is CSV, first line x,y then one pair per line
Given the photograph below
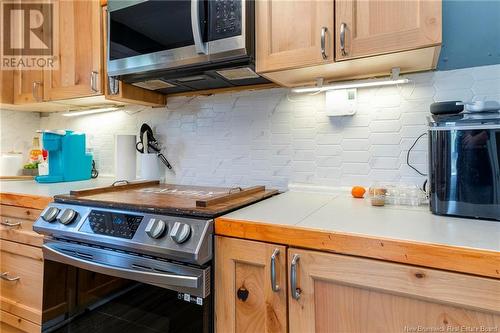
x,y
358,191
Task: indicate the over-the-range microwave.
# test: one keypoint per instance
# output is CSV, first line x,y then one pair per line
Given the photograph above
x,y
180,45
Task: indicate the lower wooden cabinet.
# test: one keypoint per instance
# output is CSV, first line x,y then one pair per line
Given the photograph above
x,y
21,282
328,292
338,293
244,297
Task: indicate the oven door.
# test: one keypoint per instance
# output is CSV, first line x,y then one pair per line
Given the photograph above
x,y
179,277
147,35
113,291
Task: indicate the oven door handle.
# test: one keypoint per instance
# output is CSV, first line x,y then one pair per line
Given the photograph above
x,y
200,46
161,279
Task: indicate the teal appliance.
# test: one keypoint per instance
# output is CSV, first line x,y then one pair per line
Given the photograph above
x,y
68,159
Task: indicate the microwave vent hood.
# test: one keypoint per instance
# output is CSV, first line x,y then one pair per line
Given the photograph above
x,y
179,46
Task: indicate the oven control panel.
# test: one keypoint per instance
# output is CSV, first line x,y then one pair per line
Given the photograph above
x,y
170,237
114,224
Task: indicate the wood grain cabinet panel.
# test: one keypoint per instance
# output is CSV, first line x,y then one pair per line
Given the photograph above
x,y
244,299
21,285
348,294
288,33
379,26
78,42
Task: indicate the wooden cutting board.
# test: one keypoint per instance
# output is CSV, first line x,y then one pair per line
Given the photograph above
x,y
169,198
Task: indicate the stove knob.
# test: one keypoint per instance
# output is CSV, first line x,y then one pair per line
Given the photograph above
x,y
156,228
50,214
67,216
180,232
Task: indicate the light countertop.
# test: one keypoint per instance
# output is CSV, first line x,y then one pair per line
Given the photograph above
x,y
31,187
340,213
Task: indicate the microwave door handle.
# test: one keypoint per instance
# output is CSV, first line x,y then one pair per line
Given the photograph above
x,y
199,45
187,281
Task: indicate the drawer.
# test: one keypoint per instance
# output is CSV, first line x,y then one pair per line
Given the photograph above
x,y
16,224
10,323
20,212
22,282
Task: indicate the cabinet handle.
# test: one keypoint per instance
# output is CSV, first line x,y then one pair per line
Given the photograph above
x,y
293,277
93,81
7,223
5,276
323,43
274,285
343,28
34,91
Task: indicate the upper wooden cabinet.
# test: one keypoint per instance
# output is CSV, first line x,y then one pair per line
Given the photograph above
x,y
80,79
293,33
365,28
375,36
78,35
245,300
345,294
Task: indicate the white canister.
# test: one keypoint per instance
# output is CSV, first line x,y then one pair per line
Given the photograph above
x,y
11,164
125,157
150,167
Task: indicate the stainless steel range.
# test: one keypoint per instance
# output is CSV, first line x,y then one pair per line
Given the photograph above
x,y
158,251
148,248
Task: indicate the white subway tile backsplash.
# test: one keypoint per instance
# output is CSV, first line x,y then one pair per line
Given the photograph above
x,y
274,137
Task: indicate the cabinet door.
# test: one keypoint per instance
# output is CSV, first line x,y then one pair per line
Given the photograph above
x,y
364,28
339,293
78,40
244,298
289,33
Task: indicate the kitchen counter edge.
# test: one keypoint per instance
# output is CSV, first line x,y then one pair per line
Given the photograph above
x,y
452,258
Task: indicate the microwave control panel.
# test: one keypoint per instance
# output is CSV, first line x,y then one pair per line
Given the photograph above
x,y
226,19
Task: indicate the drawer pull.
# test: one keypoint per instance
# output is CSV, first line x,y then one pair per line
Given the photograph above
x,y
7,223
5,276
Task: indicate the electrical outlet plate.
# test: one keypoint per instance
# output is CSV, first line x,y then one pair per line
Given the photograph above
x,y
340,102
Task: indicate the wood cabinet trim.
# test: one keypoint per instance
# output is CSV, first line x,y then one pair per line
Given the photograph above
x,y
458,259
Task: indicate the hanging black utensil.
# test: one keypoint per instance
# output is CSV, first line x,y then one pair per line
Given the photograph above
x,y
147,143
